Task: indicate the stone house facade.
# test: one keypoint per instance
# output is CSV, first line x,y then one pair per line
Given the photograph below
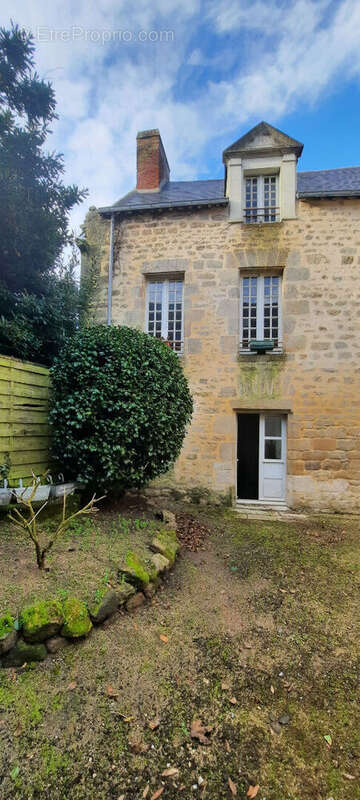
x,y
255,281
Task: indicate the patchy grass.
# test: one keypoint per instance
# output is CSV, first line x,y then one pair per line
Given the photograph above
x,y
262,626
87,556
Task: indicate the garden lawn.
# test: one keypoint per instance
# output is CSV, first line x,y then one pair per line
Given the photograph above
x,y
257,636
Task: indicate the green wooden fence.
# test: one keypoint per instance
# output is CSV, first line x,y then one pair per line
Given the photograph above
x,y
24,428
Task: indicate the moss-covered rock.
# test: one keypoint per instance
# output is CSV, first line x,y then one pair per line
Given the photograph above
x,y
134,570
8,633
77,621
166,543
22,653
42,620
160,563
102,604
124,591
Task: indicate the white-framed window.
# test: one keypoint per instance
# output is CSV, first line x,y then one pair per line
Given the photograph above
x,y
165,311
260,310
261,198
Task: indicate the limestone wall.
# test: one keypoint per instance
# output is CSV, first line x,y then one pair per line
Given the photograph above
x,y
317,378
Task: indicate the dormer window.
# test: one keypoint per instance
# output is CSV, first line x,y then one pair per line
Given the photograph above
x,y
261,199
261,176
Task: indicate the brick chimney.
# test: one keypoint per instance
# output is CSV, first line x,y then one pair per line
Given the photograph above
x,y
152,166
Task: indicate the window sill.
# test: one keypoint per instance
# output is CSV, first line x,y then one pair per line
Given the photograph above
x,y
270,355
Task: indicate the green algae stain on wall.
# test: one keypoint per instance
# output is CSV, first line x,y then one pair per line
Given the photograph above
x,y
261,379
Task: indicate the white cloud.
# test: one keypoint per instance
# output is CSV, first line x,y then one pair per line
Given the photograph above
x,y
107,92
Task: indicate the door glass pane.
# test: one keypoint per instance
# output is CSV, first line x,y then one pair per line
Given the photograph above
x,y
272,426
273,448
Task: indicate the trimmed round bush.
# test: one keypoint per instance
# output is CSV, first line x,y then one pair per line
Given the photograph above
x,y
120,407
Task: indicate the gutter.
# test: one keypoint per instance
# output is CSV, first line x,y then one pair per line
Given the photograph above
x,y
111,265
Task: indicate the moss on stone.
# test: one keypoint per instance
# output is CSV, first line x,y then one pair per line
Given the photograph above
x,y
42,620
77,621
166,543
7,624
135,570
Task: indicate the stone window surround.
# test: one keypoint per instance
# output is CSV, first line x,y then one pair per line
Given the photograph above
x,y
154,271
256,272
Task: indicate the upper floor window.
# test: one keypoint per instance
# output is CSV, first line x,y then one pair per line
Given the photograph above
x,y
261,310
261,199
165,311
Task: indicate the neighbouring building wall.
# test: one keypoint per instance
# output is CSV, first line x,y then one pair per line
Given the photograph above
x,y
316,380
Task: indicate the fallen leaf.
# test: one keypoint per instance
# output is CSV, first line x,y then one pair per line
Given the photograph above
x,y
146,791
225,686
18,730
253,790
199,731
170,772
227,746
233,788
182,787
248,645
157,793
164,638
233,701
71,686
111,692
328,739
348,776
154,723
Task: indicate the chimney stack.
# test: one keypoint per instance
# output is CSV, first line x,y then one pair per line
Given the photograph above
x,y
152,168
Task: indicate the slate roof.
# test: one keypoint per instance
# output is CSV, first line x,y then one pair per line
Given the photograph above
x,y
344,182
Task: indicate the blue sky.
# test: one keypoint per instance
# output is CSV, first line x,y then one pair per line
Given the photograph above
x,y
219,68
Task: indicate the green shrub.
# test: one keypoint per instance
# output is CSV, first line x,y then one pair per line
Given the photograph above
x,y
120,407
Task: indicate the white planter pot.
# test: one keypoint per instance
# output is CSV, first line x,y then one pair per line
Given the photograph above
x,y
5,497
41,494
59,489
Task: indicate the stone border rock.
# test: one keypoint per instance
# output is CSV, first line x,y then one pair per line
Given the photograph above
x,y
47,626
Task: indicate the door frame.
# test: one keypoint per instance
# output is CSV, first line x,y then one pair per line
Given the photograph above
x,y
269,503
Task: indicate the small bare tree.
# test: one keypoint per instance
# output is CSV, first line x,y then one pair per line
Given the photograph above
x,y
29,522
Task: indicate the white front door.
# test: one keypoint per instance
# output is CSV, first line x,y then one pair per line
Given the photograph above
x,y
272,457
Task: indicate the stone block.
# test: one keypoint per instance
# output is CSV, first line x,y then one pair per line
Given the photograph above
x,y
135,602
41,620
56,643
24,652
77,623
103,605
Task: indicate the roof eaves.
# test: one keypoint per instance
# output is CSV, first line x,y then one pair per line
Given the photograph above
x,y
173,204
330,193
